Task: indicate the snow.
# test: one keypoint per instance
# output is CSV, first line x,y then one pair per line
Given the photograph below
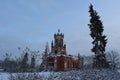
x,y
118,70
4,76
90,74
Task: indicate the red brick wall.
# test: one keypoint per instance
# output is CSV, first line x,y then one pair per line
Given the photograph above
x,y
61,61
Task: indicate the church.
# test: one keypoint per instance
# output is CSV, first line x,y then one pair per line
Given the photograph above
x,y
58,59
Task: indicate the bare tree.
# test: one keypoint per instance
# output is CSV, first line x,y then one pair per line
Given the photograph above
x,y
114,58
9,64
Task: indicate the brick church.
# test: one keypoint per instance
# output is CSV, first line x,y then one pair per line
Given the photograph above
x,y
58,59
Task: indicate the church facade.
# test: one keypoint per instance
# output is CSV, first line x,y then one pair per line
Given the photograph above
x,y
58,59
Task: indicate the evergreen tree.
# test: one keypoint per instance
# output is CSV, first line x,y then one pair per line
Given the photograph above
x,y
24,64
33,62
99,40
44,56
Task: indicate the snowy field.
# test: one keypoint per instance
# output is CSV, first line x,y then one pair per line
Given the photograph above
x,y
71,75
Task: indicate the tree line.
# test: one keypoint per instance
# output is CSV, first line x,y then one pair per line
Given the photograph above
x,y
27,62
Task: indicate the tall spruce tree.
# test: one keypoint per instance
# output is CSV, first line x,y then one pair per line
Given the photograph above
x,y
99,40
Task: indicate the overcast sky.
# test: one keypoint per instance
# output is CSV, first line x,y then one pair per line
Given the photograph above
x,y
32,23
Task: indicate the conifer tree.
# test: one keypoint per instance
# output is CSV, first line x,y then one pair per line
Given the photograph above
x,y
44,56
33,62
24,64
99,40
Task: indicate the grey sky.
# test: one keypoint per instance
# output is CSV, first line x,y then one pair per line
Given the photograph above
x,y
33,23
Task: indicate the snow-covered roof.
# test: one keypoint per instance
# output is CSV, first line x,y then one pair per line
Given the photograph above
x,y
56,54
59,54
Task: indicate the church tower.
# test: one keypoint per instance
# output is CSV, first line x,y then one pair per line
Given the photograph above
x,y
58,45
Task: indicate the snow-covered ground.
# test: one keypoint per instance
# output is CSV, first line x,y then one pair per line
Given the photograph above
x,y
118,70
93,74
3,76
